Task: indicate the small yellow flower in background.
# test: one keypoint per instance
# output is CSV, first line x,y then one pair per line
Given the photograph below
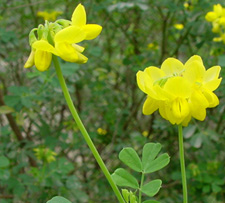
x,y
217,39
217,18
145,133
179,26
45,154
152,46
179,91
49,16
101,131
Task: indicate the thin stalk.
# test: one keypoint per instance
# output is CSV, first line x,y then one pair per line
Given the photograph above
x,y
141,184
83,130
182,164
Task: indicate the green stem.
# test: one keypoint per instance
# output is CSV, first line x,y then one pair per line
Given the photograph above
x,y
141,184
83,130
182,164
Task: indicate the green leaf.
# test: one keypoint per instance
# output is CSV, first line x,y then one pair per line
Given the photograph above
x,y
6,109
58,199
4,161
150,151
124,178
158,163
152,188
130,157
150,201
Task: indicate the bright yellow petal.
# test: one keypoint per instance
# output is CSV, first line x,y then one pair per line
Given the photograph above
x,y
30,61
43,45
150,106
92,31
79,16
197,97
81,58
42,60
144,82
154,73
198,111
213,85
71,34
194,58
211,97
195,72
180,109
211,81
78,48
179,87
66,51
212,73
172,67
186,121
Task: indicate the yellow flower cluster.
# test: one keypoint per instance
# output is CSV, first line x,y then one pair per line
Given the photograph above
x,y
179,91
60,38
217,18
101,131
45,154
179,26
50,16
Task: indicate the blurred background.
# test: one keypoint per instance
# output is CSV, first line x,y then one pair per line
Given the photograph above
x,y
43,154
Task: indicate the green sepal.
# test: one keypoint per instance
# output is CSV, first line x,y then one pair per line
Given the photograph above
x,y
32,36
130,157
123,178
126,195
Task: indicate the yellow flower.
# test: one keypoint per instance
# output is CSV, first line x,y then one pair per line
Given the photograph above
x,y
145,133
211,16
179,26
101,131
78,31
49,16
180,91
41,55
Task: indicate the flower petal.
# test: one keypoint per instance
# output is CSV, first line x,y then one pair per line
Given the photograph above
x,y
71,34
150,106
30,61
211,97
43,45
194,58
195,72
179,87
154,72
79,16
42,59
212,73
172,67
92,31
66,51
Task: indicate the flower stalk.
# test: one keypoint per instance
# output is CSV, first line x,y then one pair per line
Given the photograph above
x,y
182,164
84,131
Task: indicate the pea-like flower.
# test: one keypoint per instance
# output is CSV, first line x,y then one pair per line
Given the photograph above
x,y
66,39
41,55
179,91
60,38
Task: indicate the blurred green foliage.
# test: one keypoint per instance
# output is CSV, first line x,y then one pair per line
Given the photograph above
x,y
136,34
